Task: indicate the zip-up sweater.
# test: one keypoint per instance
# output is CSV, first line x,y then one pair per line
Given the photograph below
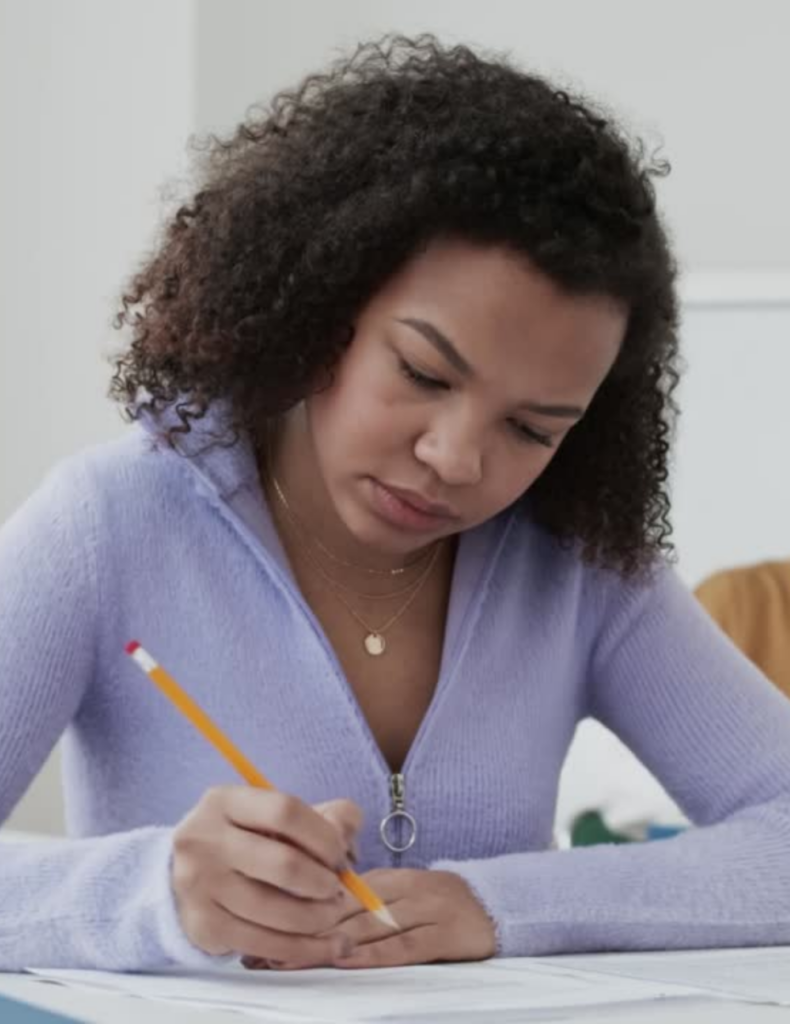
x,y
131,540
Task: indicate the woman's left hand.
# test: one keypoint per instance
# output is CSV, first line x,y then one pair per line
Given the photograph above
x,y
439,918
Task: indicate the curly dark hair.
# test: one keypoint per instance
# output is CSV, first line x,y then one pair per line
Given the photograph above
x,y
315,201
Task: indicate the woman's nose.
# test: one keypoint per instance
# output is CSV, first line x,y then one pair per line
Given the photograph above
x,y
454,456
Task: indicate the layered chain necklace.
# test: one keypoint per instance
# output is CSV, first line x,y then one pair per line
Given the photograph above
x,y
374,641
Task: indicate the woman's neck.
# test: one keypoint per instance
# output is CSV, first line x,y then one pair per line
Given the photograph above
x,y
302,508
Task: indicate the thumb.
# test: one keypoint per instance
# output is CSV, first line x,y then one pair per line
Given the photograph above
x,y
346,816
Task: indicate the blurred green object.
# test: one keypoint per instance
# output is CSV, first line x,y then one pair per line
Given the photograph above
x,y
589,829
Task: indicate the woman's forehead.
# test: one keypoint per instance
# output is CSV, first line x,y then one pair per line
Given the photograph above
x,y
501,315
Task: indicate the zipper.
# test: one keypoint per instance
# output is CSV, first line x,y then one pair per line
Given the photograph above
x,y
398,801
398,792
398,829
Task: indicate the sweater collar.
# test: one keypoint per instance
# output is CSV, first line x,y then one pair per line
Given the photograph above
x,y
226,465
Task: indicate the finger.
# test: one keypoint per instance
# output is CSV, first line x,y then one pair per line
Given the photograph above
x,y
391,885
264,943
256,963
346,816
419,945
260,903
360,927
364,927
351,906
277,863
340,931
272,813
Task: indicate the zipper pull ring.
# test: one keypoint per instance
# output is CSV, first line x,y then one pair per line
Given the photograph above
x,y
398,821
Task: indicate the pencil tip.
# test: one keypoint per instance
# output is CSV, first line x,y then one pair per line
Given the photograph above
x,y
131,647
386,918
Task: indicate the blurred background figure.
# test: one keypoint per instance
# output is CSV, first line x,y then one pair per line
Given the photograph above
x,y
751,603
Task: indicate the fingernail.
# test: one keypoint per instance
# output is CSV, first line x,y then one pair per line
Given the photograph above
x,y
254,963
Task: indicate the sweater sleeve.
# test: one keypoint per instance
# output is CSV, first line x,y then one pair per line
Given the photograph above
x,y
102,903
716,733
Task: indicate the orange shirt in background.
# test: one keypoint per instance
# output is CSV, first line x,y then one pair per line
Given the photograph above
x,y
752,605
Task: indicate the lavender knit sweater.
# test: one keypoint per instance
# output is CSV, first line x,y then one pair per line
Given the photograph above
x,y
123,542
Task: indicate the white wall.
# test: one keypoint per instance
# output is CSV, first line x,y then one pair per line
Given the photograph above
x,y
96,101
731,490
711,78
97,98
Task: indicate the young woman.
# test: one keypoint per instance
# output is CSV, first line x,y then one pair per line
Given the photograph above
x,y
394,512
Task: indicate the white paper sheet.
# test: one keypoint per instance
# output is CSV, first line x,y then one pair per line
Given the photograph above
x,y
756,975
497,990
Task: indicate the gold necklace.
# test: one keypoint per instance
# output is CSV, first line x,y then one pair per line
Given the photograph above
x,y
365,595
374,642
317,543
352,590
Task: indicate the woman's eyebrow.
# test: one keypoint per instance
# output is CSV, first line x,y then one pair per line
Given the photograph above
x,y
565,412
445,347
441,343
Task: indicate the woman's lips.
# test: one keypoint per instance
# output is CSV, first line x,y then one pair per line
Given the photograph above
x,y
401,508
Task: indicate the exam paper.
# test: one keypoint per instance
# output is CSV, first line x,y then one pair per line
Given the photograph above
x,y
496,990
755,975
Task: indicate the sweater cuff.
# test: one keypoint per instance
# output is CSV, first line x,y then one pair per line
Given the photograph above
x,y
172,938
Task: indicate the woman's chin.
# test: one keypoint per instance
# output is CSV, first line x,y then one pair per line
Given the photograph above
x,y
385,540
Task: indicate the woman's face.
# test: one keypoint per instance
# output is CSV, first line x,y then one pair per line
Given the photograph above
x,y
463,377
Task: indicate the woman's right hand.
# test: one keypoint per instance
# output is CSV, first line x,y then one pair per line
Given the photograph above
x,y
254,872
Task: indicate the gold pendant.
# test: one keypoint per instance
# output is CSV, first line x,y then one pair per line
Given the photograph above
x,y
374,644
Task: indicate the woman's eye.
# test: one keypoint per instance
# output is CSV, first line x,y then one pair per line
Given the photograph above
x,y
420,379
526,433
522,430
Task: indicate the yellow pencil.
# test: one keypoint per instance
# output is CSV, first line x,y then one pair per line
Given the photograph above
x,y
198,717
